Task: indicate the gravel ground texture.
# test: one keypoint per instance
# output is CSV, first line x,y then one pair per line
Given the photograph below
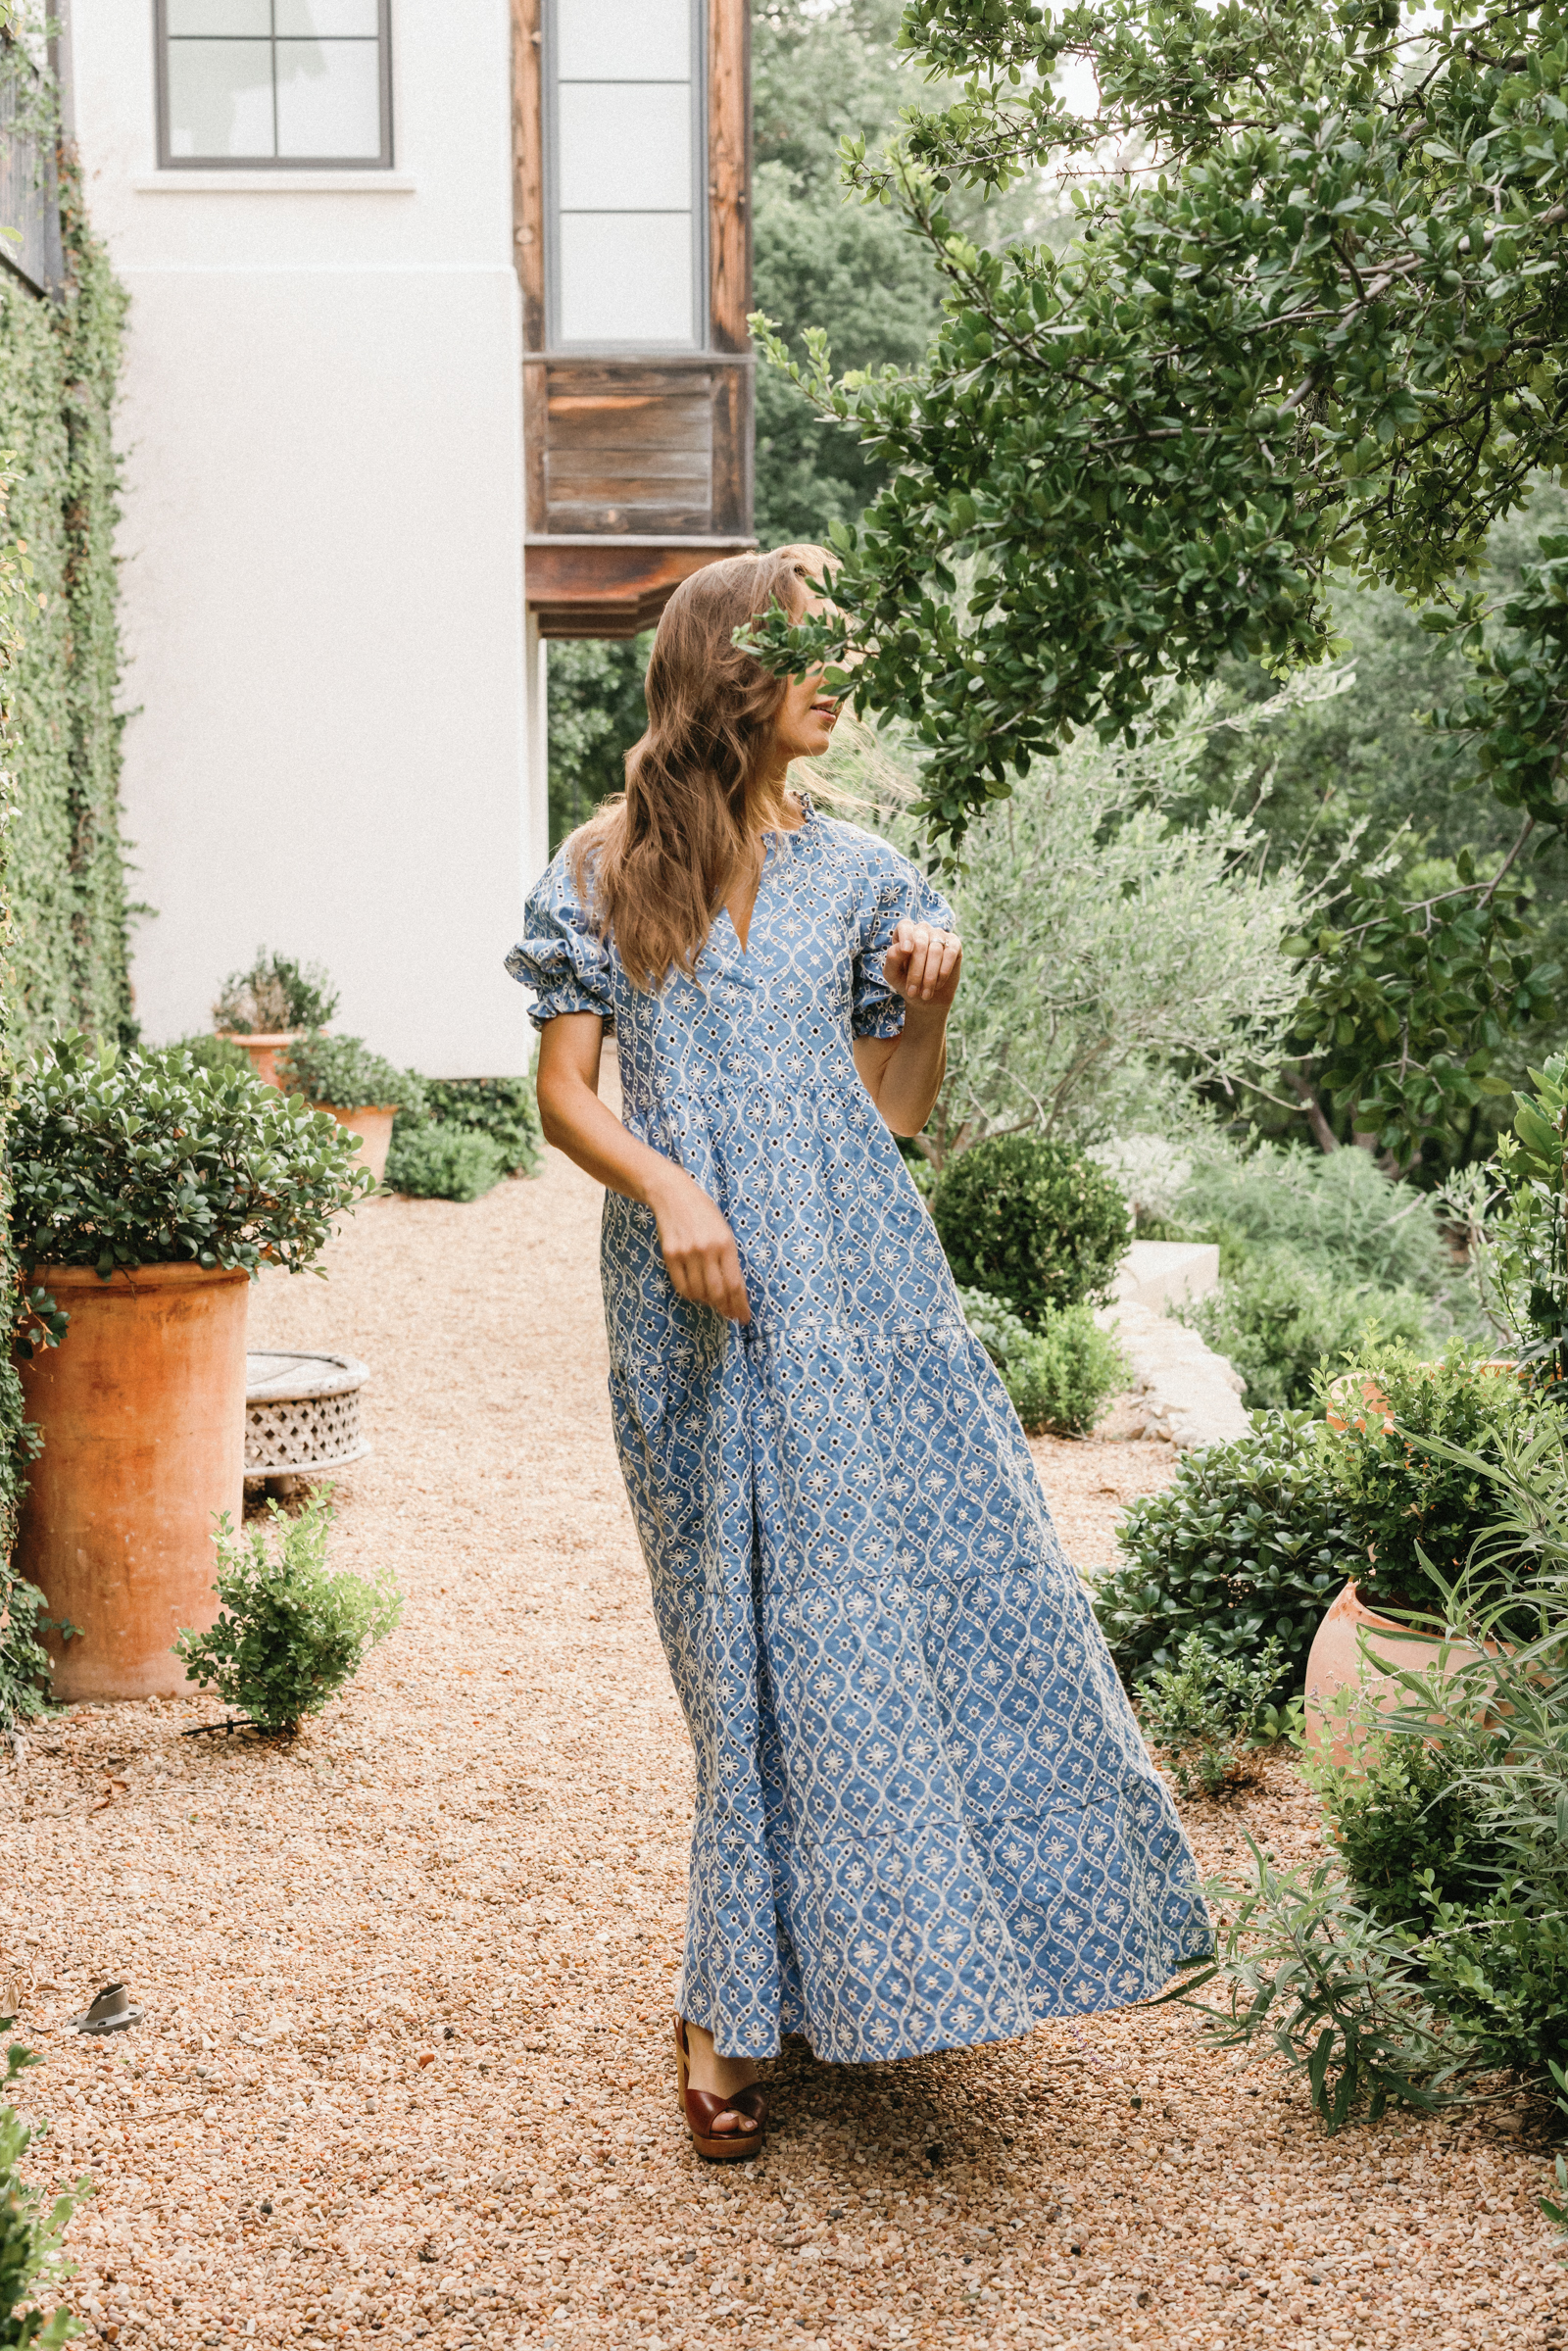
x,y
403,2073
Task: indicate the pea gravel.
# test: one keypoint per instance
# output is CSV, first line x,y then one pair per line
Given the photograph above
x,y
405,2072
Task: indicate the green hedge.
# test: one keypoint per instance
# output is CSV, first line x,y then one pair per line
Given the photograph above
x,y
63,913
64,873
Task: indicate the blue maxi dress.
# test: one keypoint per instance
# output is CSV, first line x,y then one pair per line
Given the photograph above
x,y
926,1816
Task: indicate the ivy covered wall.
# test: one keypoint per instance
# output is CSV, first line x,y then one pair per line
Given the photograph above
x,y
63,909
63,876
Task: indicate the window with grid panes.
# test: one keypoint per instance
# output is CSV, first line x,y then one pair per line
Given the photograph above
x,y
625,114
274,84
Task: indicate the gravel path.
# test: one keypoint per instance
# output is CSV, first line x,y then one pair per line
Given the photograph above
x,y
403,2073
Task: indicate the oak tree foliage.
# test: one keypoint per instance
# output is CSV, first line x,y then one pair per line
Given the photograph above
x,y
1311,330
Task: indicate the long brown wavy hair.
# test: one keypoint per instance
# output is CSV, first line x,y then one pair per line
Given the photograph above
x,y
656,861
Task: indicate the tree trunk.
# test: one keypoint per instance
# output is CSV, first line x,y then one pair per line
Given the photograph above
x,y
1323,1134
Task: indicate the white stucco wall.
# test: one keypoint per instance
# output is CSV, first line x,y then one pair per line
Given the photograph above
x,y
322,547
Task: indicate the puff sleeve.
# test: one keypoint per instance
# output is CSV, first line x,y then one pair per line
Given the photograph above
x,y
560,955
902,896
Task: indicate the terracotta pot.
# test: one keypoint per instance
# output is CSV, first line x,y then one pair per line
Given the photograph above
x,y
263,1048
1355,1649
373,1124
142,1409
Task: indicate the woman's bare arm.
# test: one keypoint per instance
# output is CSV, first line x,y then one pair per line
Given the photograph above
x,y
903,1074
698,1247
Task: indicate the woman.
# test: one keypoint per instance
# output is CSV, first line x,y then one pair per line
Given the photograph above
x,y
925,1814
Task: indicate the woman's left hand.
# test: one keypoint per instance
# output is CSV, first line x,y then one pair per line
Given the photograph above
x,y
922,965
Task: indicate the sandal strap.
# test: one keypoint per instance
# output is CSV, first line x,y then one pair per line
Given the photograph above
x,y
705,2106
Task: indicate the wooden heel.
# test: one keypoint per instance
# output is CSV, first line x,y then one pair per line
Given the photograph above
x,y
702,2108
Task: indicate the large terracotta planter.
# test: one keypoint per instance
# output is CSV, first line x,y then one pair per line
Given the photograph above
x,y
372,1125
142,1409
263,1048
1356,1649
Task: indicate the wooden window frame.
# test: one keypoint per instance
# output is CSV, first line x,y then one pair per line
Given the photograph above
x,y
611,579
728,237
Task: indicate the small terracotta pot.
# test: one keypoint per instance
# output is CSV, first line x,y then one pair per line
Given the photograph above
x,y
373,1124
1357,1649
263,1048
142,1410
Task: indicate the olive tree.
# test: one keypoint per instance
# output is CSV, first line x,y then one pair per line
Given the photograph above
x,y
1107,941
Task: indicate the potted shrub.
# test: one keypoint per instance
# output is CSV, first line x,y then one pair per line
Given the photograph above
x,y
1412,1509
146,1194
271,1005
363,1092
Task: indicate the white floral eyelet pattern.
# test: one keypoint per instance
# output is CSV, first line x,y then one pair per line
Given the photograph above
x,y
926,1816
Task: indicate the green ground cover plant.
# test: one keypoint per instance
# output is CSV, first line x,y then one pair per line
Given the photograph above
x,y
274,993
1032,1221
1321,1253
345,1072
428,1162
1333,1208
32,2262
504,1109
1210,1711
291,1631
1060,1374
1403,1830
120,1159
1251,1540
1278,1318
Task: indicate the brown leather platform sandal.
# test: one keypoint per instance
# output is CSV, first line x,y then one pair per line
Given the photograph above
x,y
702,2108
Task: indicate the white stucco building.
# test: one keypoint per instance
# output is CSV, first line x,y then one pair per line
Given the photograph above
x,y
360,240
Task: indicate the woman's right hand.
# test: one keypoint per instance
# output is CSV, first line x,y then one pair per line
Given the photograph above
x,y
699,1248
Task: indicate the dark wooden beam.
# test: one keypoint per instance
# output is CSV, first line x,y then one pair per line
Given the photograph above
x,y
608,587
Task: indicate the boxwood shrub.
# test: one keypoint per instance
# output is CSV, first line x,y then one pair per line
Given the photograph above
x,y
1250,1538
503,1109
1060,1374
1032,1221
428,1162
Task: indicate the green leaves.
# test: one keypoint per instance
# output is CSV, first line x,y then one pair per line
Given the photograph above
x,y
343,1071
1031,1221
290,1632
1330,332
1411,1504
1205,1712
1308,1972
119,1161
1405,1006
1249,1539
31,2260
